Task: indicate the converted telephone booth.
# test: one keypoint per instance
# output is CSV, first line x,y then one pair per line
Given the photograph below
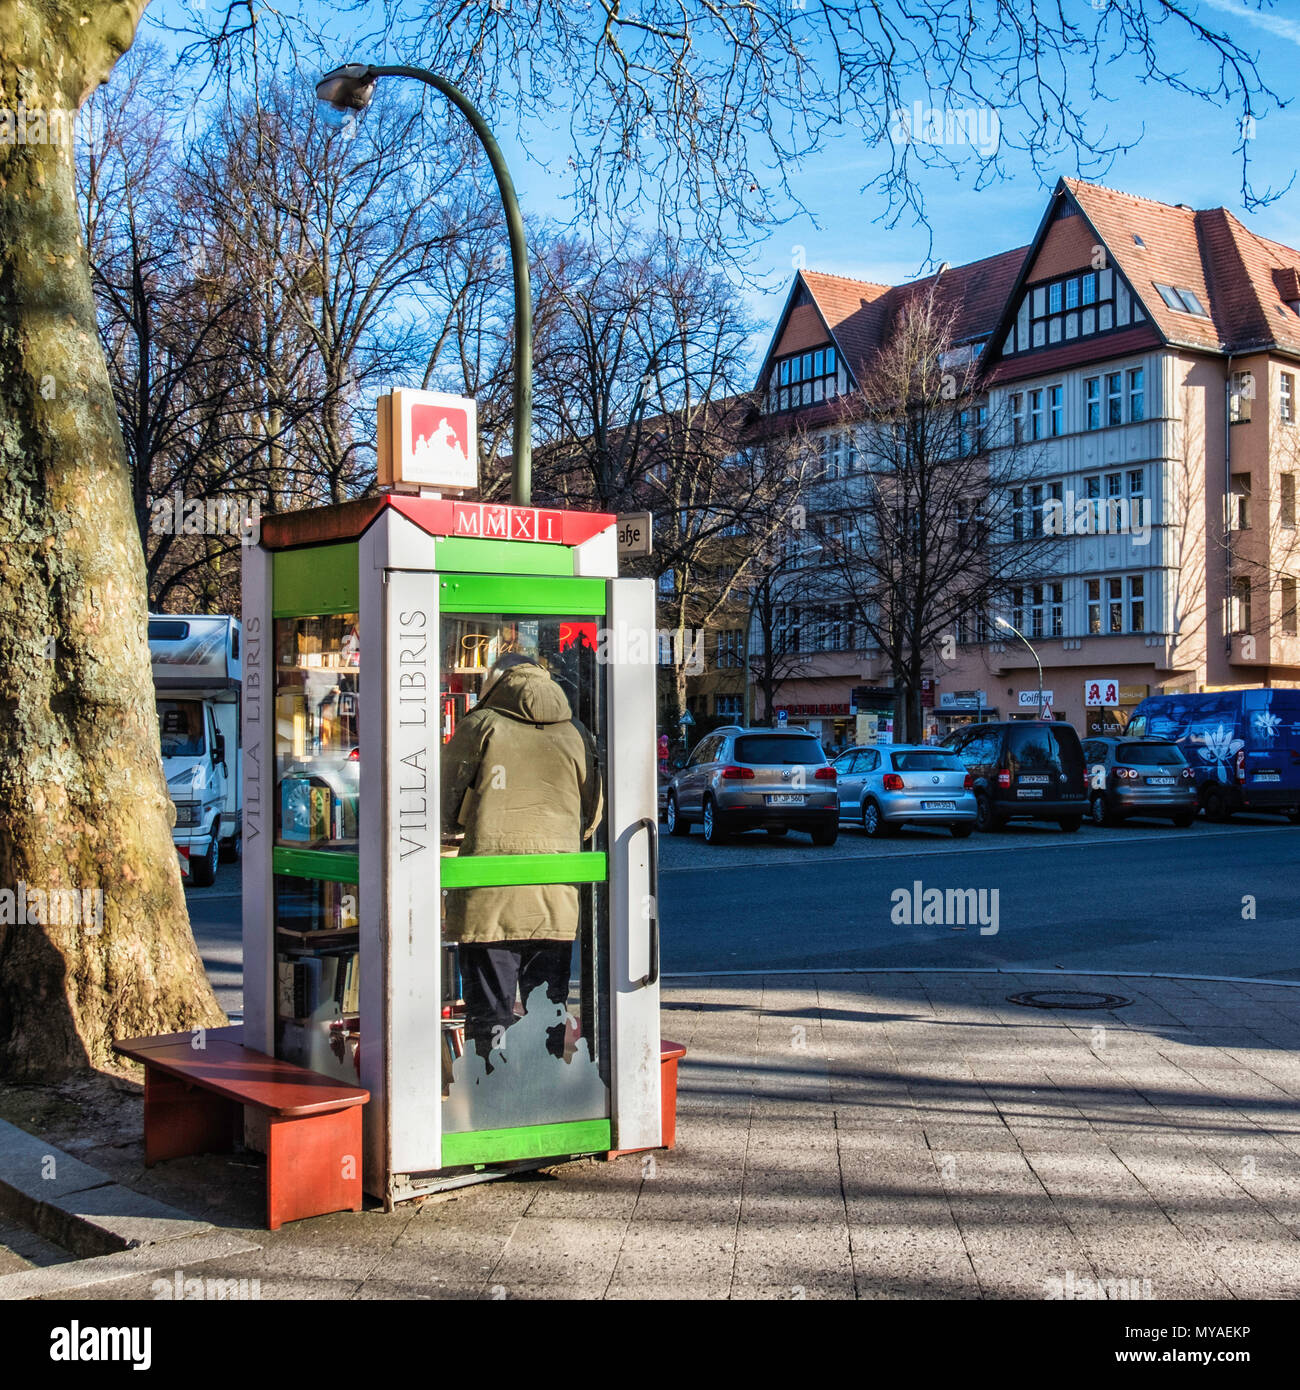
x,y
369,629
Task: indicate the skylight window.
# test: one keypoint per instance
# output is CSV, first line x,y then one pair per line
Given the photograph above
x,y
1170,298
1191,303
1184,300
1137,241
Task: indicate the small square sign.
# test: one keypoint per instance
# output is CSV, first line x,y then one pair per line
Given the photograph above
x,y
433,438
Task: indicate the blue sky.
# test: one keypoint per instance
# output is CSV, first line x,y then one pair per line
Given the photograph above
x,y
1185,154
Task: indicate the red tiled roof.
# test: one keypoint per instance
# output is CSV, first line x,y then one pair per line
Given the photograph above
x,y
1229,268
861,315
1243,280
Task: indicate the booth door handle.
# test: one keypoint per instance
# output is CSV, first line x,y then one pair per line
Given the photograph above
x,y
652,829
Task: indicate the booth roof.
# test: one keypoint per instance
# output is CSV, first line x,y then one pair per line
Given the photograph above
x,y
438,516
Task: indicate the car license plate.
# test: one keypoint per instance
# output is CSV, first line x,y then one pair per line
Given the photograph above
x,y
1029,791
1268,776
1035,779
1160,781
938,805
784,799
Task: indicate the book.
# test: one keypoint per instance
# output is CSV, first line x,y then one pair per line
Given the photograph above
x,y
320,820
295,809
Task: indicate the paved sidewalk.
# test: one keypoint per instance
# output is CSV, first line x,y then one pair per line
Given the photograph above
x,y
863,1136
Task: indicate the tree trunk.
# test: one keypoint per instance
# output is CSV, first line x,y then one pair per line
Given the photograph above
x,y
83,804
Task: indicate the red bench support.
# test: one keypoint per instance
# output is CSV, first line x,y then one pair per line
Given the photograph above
x,y
194,1099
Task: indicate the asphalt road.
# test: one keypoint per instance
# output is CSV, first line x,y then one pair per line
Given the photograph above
x,y
1143,896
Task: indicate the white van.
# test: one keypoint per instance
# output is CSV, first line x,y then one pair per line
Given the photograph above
x,y
197,675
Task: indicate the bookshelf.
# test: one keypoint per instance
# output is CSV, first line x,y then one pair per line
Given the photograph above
x,y
315,900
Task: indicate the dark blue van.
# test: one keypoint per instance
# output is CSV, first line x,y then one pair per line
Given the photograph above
x,y
1243,744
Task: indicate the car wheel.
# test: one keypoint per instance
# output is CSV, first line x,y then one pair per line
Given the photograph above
x,y
777,831
1099,811
714,830
986,818
961,829
1069,823
826,834
1215,804
874,825
232,850
203,871
1183,819
676,824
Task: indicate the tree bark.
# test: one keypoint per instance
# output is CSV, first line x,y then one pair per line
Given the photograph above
x,y
83,803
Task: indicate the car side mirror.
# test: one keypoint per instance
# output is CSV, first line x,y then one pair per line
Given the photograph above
x,y
219,749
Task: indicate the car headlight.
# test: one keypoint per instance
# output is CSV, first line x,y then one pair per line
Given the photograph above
x,y
187,813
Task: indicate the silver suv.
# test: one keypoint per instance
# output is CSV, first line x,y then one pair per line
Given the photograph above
x,y
740,779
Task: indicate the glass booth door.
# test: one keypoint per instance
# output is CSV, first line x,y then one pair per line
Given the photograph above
x,y
524,869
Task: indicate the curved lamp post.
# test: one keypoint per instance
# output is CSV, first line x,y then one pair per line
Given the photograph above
x,y
350,88
1002,622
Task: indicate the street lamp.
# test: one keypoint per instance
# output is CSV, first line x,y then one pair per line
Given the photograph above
x,y
350,88
1002,622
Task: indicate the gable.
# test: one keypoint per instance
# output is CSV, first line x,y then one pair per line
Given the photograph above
x,y
804,329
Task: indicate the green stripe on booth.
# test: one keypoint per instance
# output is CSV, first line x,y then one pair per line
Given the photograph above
x,y
513,870
518,594
316,863
503,557
315,579
531,1141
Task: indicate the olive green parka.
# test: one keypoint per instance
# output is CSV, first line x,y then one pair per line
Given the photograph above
x,y
519,776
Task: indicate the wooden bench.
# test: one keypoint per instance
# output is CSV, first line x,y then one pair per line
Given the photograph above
x,y
194,1098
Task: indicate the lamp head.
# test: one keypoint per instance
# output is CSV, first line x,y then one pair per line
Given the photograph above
x,y
348,88
1002,622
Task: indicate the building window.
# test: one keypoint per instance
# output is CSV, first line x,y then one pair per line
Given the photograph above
x,y
1094,607
1018,609
1092,401
1136,482
1056,406
1288,606
1056,610
1115,603
731,648
970,430
1239,606
1017,514
729,706
1036,414
1017,417
1137,409
1137,608
1072,306
804,379
1239,503
1241,394
1286,499
1114,399
1286,398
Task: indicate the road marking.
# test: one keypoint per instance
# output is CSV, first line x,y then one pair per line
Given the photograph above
x,y
1117,839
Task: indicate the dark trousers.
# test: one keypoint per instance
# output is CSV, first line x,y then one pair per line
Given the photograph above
x,y
490,977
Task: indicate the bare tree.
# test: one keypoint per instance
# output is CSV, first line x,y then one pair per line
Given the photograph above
x,y
933,530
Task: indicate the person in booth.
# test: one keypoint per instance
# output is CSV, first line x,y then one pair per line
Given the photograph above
x,y
519,776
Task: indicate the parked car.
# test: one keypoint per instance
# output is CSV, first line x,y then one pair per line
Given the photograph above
x,y
740,779
1138,777
1029,769
884,788
1243,746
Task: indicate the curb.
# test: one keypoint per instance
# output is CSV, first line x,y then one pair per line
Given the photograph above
x,y
76,1206
179,1254
978,970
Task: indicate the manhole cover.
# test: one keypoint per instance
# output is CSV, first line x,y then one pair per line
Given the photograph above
x,y
1067,999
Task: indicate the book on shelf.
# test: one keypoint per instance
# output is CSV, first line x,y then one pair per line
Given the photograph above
x,y
312,984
